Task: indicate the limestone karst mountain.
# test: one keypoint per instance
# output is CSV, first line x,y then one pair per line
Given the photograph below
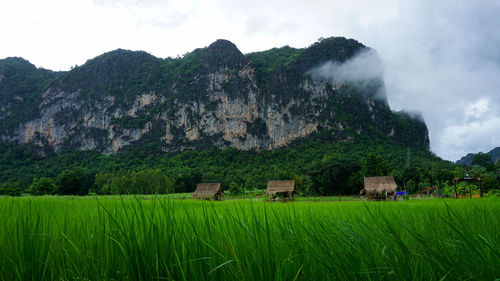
x,y
213,96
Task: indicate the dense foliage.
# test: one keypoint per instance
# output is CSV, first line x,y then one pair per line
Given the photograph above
x,y
483,160
318,165
148,181
21,89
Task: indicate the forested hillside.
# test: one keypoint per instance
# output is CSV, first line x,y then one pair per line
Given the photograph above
x,y
319,164
128,122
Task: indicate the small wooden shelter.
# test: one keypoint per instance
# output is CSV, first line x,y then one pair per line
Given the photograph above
x,y
284,188
208,191
378,188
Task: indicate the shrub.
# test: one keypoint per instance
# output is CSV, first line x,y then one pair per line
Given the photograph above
x,y
42,186
10,191
235,188
494,193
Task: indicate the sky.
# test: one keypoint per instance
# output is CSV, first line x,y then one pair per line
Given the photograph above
x,y
440,58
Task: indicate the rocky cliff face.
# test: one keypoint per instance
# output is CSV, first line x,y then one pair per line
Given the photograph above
x,y
212,96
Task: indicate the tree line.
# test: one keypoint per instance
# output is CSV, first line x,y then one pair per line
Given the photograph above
x,y
328,176
318,165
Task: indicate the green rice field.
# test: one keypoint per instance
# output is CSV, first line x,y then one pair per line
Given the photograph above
x,y
157,238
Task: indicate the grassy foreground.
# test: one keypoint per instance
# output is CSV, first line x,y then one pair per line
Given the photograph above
x,y
108,238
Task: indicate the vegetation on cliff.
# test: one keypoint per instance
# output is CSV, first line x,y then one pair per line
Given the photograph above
x,y
96,105
21,89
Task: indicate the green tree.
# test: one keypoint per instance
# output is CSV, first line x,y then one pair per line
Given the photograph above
x,y
423,185
150,181
43,186
411,186
250,183
411,173
235,188
355,182
180,183
373,165
443,175
187,181
483,160
102,183
210,176
333,176
72,182
490,182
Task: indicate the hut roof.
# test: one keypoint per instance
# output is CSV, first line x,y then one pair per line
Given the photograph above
x,y
207,190
274,187
380,184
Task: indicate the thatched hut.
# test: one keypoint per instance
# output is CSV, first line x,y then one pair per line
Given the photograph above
x,y
208,191
379,188
284,188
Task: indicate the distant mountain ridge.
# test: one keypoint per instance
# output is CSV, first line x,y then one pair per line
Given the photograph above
x,y
467,159
213,96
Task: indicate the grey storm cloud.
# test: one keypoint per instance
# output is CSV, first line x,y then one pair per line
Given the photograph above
x,y
442,59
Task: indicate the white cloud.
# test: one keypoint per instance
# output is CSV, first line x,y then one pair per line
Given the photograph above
x,y
58,34
363,66
477,110
459,139
440,61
